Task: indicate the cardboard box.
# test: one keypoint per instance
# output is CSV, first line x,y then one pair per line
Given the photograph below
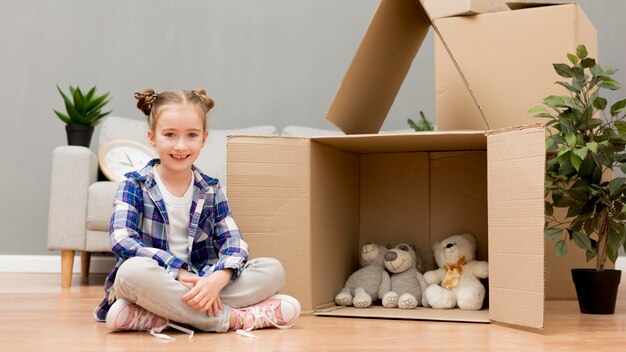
x,y
506,58
312,202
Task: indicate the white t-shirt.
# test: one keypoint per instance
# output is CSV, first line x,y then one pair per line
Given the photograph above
x,y
178,211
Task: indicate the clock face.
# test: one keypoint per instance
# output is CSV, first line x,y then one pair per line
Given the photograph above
x,y
123,157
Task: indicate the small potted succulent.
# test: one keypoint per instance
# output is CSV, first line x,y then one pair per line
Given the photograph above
x,y
586,139
83,112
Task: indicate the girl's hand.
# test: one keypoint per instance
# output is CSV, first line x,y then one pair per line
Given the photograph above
x,y
204,296
184,274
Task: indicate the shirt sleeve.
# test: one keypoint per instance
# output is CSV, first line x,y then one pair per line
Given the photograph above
x,y
233,250
124,235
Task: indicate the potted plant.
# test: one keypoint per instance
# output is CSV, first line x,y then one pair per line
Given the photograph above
x,y
84,111
422,124
585,141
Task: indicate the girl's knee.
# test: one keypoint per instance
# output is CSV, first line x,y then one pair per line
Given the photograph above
x,y
134,268
276,270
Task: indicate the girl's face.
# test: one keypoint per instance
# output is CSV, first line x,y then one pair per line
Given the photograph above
x,y
178,136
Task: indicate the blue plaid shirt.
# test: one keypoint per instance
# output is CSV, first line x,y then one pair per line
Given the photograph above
x,y
139,222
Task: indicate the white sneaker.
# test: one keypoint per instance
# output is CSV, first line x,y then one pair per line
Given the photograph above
x,y
126,316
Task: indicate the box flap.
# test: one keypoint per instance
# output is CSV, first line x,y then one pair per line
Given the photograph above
x,y
379,66
515,174
447,8
480,316
423,141
514,5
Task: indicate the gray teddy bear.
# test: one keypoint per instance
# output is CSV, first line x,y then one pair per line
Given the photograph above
x,y
367,284
407,283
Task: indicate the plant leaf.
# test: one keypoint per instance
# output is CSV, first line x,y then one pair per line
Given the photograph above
x,y
63,117
581,52
570,138
615,184
617,107
582,240
593,146
609,83
600,103
596,70
553,233
572,58
563,70
576,161
588,62
536,109
581,152
590,254
561,248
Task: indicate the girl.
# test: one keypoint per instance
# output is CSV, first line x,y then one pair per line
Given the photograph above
x,y
180,256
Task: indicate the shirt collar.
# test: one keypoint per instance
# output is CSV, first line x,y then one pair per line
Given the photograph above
x,y
145,175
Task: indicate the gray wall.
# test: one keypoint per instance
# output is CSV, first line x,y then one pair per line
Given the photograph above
x,y
275,62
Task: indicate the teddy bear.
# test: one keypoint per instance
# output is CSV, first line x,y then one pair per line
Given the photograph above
x,y
456,282
407,283
367,284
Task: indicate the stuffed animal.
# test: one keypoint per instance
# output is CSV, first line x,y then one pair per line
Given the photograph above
x,y
407,283
456,282
367,284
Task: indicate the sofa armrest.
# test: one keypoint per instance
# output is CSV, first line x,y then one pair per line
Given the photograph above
x,y
74,168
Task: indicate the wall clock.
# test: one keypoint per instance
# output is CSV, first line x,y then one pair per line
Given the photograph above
x,y
117,157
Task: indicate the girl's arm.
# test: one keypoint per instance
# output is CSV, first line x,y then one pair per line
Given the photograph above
x,y
233,251
124,237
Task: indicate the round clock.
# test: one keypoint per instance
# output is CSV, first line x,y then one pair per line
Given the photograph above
x,y
117,157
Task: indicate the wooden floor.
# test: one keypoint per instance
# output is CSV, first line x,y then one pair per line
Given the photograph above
x,y
37,315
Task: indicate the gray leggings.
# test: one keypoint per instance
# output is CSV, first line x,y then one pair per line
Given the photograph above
x,y
142,281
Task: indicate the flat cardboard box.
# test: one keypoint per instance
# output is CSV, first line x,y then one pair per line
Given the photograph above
x,y
506,58
449,8
311,202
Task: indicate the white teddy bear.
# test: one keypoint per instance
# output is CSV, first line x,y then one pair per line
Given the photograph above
x,y
407,283
458,275
369,282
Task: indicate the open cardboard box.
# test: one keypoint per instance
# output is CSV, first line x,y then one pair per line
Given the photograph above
x,y
312,202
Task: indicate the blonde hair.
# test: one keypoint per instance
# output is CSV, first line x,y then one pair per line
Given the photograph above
x,y
150,102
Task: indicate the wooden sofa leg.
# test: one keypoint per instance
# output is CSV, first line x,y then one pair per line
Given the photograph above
x,y
67,265
85,261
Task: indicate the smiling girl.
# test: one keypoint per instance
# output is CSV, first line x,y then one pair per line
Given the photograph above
x,y
180,256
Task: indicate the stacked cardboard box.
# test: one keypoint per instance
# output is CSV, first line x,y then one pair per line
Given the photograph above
x,y
311,202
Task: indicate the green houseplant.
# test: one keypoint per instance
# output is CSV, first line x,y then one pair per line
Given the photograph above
x,y
83,112
422,124
585,141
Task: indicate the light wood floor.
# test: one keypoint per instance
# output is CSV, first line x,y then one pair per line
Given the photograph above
x,y
37,315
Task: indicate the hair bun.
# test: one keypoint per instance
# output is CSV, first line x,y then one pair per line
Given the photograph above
x,y
145,100
206,101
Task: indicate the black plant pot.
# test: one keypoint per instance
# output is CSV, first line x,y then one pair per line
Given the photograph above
x,y
79,135
596,290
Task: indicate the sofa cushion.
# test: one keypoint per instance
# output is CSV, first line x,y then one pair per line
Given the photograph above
x,y
100,205
304,131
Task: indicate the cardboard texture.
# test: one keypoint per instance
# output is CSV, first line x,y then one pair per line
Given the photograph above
x,y
311,202
447,8
509,69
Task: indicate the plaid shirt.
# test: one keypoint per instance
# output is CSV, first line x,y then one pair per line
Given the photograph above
x,y
139,222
